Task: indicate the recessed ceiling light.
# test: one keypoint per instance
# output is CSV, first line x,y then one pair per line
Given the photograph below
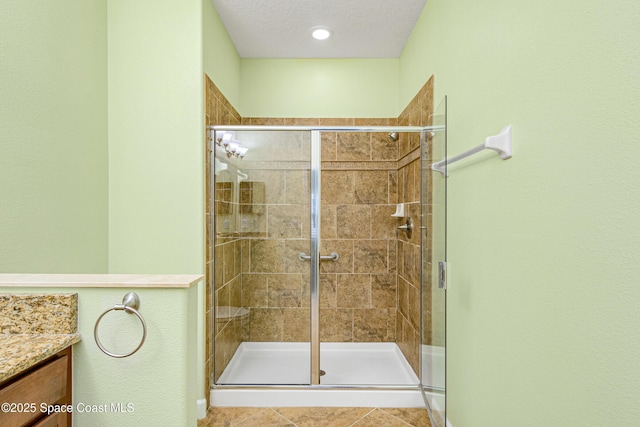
x,y
320,33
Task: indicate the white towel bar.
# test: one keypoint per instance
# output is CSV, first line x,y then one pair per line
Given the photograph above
x,y
500,143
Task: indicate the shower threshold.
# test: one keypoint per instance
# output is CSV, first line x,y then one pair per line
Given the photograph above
x,y
357,374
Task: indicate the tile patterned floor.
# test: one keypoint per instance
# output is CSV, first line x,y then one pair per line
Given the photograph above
x,y
316,417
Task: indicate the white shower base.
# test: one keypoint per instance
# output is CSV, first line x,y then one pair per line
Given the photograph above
x,y
268,363
346,365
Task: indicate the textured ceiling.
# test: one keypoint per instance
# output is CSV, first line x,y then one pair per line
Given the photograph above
x,y
280,28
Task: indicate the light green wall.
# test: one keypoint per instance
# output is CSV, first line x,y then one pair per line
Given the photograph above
x,y
102,170
159,380
156,151
221,60
53,137
543,294
319,88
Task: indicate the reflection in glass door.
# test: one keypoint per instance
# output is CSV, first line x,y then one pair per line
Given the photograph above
x,y
262,229
434,256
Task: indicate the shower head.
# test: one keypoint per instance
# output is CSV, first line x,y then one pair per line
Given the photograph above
x,y
393,136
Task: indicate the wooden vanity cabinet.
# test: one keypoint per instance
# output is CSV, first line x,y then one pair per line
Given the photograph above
x,y
27,393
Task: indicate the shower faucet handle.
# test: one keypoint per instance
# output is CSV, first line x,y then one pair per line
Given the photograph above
x,y
407,227
333,257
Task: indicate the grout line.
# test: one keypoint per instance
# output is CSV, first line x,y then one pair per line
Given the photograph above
x,y
235,423
280,415
283,416
363,417
397,418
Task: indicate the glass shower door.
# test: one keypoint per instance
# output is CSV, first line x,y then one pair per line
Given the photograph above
x,y
434,256
262,182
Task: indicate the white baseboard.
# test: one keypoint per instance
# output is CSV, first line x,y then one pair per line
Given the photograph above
x,y
202,408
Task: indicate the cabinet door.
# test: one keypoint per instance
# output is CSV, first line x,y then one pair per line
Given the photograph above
x,y
47,384
58,419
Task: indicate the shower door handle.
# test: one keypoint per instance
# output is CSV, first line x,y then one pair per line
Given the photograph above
x,y
333,257
442,275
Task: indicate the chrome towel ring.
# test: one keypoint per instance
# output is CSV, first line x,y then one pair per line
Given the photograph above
x,y
130,304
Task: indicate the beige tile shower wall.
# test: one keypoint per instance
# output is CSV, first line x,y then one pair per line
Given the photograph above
x,y
419,112
223,254
359,192
371,294
275,283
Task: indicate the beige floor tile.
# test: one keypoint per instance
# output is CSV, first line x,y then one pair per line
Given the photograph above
x,y
227,416
315,417
417,417
266,418
378,418
323,417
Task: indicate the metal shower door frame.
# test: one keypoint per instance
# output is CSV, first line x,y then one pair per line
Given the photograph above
x,y
315,208
314,286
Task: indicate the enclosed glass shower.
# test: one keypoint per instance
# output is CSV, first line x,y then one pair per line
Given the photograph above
x,y
326,254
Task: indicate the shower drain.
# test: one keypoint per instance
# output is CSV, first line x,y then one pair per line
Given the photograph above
x,y
322,372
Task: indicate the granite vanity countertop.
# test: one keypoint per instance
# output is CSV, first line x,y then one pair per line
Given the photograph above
x,y
34,327
19,352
